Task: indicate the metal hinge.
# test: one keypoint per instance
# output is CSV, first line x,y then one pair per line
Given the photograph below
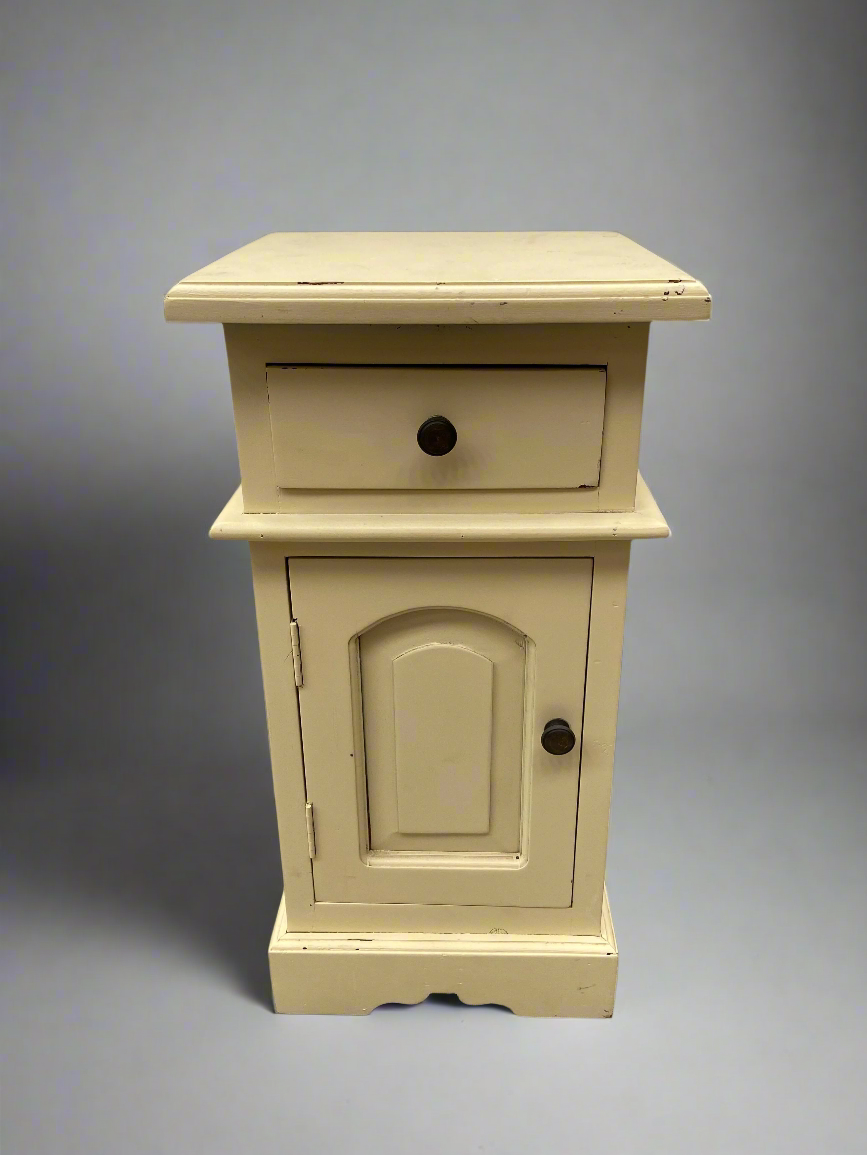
x,y
295,636
311,833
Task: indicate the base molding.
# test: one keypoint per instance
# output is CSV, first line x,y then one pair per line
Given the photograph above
x,y
352,973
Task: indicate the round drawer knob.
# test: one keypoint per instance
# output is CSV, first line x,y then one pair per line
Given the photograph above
x,y
437,436
558,736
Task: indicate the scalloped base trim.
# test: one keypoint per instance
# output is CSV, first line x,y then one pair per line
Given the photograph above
x,y
351,973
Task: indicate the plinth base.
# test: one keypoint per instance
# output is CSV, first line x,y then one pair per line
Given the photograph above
x,y
351,973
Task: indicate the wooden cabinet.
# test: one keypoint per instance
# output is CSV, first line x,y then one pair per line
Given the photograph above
x,y
438,437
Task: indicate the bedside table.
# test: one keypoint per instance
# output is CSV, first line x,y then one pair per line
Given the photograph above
x,y
438,438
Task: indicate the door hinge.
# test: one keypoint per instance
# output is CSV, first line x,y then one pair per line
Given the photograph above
x,y
311,833
295,636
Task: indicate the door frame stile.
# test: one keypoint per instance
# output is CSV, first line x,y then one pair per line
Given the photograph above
x,y
273,614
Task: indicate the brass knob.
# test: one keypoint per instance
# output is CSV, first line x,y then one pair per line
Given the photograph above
x,y
558,736
437,436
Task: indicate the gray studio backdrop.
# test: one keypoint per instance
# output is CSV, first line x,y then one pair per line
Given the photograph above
x,y
143,140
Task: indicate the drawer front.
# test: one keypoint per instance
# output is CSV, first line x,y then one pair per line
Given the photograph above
x,y
357,427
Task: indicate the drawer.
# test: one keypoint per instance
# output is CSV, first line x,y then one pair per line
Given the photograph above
x,y
358,427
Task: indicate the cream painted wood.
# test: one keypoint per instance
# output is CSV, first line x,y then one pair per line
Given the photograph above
x,y
442,773
415,670
610,564
537,974
546,602
435,278
645,521
604,651
247,375
622,348
355,427
418,628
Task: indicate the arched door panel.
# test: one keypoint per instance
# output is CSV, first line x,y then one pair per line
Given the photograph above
x,y
443,700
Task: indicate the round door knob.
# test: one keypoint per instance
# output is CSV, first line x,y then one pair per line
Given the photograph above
x,y
437,436
558,736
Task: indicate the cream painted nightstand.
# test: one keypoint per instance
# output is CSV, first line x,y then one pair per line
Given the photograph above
x,y
438,437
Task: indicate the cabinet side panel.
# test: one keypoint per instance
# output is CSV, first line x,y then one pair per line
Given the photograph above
x,y
624,400
498,753
284,731
353,428
602,693
252,417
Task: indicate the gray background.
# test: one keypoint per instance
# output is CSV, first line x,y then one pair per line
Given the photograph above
x,y
146,139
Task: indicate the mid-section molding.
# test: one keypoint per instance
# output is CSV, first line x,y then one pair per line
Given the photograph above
x,y
645,521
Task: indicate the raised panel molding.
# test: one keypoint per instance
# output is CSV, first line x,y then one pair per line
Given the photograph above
x,y
441,700
443,717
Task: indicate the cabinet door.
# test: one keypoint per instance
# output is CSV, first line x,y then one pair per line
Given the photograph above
x,y
427,684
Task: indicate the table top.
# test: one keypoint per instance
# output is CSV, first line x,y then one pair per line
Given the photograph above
x,y
438,278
